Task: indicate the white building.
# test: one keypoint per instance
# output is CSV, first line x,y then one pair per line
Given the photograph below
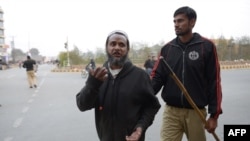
x,y
3,47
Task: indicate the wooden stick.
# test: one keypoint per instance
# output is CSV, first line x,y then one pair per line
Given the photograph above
x,y
186,94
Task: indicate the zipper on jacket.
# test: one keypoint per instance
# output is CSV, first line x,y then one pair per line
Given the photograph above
x,y
183,64
112,109
183,70
182,79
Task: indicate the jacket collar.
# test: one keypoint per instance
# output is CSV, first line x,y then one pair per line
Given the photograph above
x,y
128,66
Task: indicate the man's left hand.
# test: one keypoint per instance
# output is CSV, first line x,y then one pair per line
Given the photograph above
x,y
211,125
135,136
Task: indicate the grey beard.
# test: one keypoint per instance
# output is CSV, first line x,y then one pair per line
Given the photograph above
x,y
117,62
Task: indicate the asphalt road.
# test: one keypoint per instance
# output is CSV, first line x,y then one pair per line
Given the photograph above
x,y
49,112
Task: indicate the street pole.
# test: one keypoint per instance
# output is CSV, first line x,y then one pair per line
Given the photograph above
x,y
66,46
12,43
68,57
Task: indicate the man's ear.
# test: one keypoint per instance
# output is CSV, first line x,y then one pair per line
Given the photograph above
x,y
192,22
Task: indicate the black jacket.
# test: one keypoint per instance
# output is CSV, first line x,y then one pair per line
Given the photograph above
x,y
197,67
121,104
29,64
149,64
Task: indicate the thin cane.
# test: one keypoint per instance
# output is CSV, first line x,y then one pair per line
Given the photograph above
x,y
186,94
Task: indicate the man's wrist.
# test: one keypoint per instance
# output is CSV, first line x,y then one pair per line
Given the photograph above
x,y
214,116
139,130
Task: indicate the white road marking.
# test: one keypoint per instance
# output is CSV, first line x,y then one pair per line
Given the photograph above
x,y
18,122
41,83
30,100
10,76
25,109
8,139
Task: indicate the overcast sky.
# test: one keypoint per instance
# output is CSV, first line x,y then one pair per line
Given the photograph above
x,y
46,24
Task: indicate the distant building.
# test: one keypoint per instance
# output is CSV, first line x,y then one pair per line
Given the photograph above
x,y
3,46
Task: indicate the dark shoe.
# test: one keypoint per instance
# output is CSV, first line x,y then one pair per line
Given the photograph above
x,y
31,87
35,86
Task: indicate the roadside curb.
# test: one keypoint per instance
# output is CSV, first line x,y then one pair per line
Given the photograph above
x,y
223,67
245,66
66,70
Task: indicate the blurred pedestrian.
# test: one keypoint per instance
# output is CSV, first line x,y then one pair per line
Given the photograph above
x,y
120,93
154,59
30,66
57,62
148,65
2,64
20,63
90,65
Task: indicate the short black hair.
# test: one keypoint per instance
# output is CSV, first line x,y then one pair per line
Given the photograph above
x,y
188,11
28,57
120,32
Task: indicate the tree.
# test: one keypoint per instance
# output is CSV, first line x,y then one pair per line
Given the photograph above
x,y
76,50
222,48
62,58
231,45
17,54
34,52
74,56
100,56
244,47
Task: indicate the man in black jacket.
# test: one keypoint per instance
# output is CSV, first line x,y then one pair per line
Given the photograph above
x,y
149,64
1,64
194,60
30,65
120,93
91,65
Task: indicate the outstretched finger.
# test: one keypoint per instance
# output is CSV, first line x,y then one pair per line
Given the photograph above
x,y
101,73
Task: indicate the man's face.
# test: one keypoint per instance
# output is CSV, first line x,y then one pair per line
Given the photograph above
x,y
183,25
117,50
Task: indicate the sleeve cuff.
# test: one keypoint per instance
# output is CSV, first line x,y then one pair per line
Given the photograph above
x,y
214,116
